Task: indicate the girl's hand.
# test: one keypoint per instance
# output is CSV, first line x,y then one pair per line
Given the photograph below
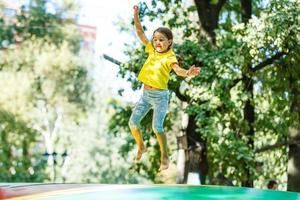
x,y
136,9
193,71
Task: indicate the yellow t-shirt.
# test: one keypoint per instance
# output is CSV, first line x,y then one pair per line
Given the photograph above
x,y
156,70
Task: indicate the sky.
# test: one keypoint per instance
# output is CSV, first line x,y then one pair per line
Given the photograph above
x,y
104,15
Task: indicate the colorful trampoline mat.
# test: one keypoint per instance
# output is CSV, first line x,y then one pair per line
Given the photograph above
x,y
140,192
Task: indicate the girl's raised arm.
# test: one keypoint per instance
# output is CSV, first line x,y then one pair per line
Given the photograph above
x,y
138,26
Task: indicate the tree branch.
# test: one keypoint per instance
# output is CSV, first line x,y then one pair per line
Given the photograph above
x,y
111,59
246,10
277,145
268,61
234,83
180,96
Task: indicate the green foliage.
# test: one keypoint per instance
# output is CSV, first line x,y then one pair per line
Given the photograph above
x,y
48,104
47,90
94,153
35,21
254,42
21,160
265,50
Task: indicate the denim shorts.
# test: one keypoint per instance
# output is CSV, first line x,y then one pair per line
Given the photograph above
x,y
158,100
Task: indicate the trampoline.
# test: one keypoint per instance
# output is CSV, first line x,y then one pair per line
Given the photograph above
x,y
140,192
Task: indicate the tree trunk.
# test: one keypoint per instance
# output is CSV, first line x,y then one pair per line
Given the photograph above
x,y
197,151
208,13
182,160
246,10
196,157
294,149
249,118
192,154
249,110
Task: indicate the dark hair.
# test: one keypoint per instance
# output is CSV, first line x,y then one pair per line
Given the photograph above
x,y
167,32
271,184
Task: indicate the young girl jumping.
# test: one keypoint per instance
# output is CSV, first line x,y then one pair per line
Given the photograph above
x,y
155,76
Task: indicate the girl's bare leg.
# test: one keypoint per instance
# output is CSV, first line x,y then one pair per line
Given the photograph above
x,y
139,141
164,158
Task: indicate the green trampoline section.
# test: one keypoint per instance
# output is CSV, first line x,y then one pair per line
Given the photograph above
x,y
156,192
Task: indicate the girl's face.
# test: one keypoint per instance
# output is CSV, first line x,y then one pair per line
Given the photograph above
x,y
160,42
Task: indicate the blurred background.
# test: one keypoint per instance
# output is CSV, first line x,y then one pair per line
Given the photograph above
x,y
68,78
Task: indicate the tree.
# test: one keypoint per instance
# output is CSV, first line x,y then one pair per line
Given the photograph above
x,y
19,161
46,87
241,47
